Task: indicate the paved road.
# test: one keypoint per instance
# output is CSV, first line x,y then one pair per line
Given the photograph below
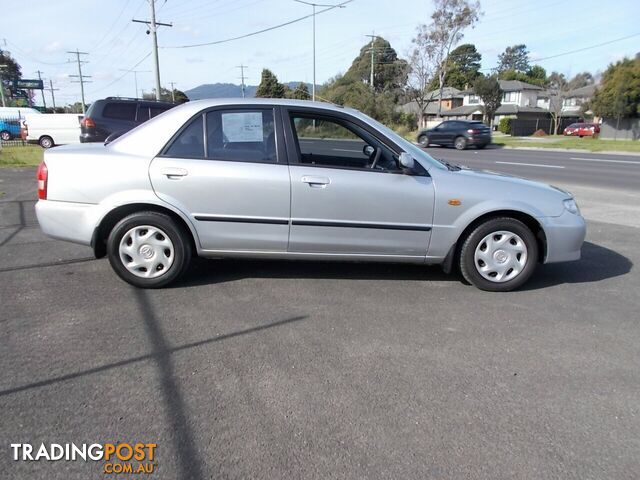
x,y
302,370
586,169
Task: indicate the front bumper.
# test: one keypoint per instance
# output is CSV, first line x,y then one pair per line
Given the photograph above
x,y
73,222
565,235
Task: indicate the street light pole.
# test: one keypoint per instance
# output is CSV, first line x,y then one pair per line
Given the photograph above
x,y
314,5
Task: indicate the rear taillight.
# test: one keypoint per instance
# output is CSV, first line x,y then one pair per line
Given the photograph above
x,y
88,122
43,174
473,130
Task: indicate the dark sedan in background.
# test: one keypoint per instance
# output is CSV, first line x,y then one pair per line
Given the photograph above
x,y
458,133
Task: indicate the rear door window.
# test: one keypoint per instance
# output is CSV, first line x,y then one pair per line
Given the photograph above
x,y
241,135
120,111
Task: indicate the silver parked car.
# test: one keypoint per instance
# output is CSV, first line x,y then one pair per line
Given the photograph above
x,y
295,180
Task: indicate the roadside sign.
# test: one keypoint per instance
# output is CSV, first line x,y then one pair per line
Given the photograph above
x,y
28,84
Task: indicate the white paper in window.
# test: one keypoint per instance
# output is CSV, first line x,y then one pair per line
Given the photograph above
x,y
243,127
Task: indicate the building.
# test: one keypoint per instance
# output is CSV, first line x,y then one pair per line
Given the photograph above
x,y
451,98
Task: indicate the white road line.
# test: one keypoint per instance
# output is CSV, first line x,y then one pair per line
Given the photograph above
x,y
530,164
605,161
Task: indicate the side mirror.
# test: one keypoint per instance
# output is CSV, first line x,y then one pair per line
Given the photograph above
x,y
406,162
368,150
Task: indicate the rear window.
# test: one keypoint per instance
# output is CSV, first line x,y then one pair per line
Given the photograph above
x,y
190,142
120,111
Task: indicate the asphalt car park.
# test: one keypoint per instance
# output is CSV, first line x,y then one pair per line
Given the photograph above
x,y
258,369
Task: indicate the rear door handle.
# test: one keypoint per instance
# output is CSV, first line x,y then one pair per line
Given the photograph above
x,y
316,182
174,172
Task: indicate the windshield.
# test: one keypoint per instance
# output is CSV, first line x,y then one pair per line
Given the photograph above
x,y
427,160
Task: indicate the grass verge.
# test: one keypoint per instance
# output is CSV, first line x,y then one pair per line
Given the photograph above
x,y
558,141
22,156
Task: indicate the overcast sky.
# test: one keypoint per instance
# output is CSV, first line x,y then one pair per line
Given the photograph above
x,y
38,35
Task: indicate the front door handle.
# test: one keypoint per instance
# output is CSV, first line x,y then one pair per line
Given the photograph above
x,y
174,172
316,182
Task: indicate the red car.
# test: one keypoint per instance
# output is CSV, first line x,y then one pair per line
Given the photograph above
x,y
582,130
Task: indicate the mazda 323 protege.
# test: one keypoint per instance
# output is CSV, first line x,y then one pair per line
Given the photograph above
x,y
295,180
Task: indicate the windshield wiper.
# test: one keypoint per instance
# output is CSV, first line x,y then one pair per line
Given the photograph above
x,y
450,166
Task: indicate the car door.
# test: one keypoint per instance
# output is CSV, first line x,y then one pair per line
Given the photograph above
x,y
226,170
348,195
436,133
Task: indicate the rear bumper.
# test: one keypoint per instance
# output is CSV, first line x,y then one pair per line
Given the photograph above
x,y
565,235
478,140
73,222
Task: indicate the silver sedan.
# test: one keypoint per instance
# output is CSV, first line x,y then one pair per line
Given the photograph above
x,y
295,180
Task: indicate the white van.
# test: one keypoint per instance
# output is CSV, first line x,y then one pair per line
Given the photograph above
x,y
49,129
17,112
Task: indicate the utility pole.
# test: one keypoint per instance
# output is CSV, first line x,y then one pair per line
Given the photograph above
x,y
2,86
173,91
153,30
373,39
135,78
53,97
242,77
81,78
314,5
44,103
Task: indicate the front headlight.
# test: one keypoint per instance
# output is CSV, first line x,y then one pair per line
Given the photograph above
x,y
571,206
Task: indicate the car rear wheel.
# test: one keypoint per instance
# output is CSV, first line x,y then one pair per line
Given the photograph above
x,y
4,135
499,255
148,249
460,143
423,140
46,142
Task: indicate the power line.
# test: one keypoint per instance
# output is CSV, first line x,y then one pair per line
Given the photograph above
x,y
586,48
123,75
44,103
268,29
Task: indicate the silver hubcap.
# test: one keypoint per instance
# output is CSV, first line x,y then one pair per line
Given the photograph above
x,y
146,251
46,143
500,256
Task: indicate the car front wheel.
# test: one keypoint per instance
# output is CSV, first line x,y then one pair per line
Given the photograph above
x,y
5,136
499,255
148,249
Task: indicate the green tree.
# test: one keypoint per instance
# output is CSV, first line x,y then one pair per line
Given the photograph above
x,y
166,95
389,71
464,66
353,89
619,93
488,89
301,92
269,86
10,71
514,58
582,79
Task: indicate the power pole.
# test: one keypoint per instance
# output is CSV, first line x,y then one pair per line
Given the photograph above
x,y
373,38
314,5
242,77
53,96
153,30
44,103
135,77
173,91
81,78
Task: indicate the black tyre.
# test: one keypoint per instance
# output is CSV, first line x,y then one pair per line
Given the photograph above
x,y
423,140
5,136
499,255
148,249
46,141
460,143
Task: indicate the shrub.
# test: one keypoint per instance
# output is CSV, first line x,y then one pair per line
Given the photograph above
x,y
505,125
